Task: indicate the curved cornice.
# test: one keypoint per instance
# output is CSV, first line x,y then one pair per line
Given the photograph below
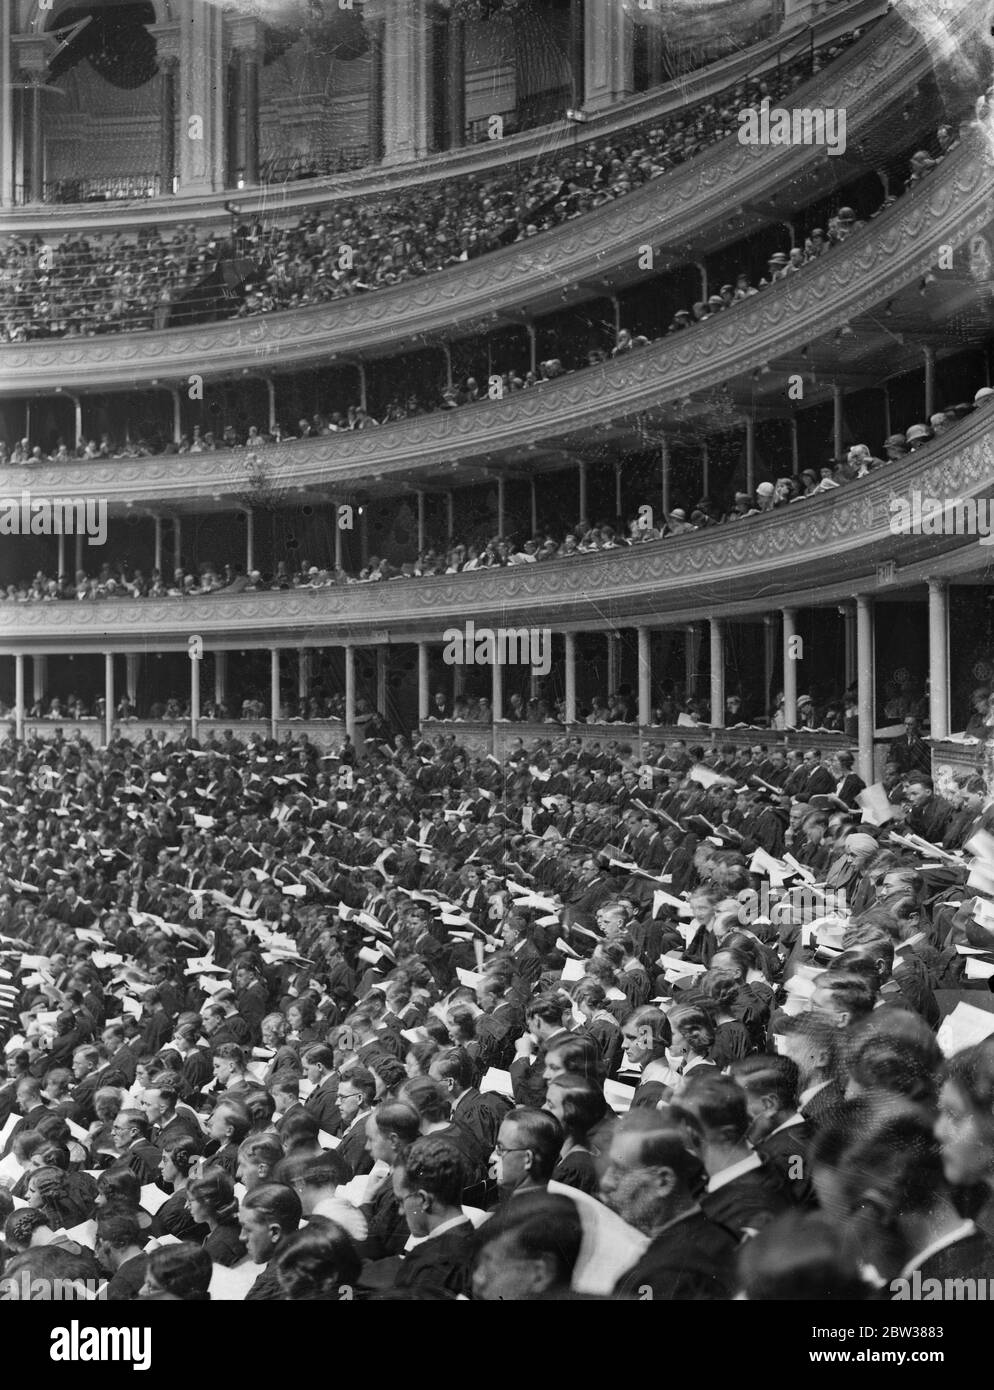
x,y
865,81
820,551
871,266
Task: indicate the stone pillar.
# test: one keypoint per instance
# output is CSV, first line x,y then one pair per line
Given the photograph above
x,y
928,352
274,691
750,486
220,677
769,661
865,657
423,680
350,727
303,673
39,672
408,90
645,676
938,658
609,54
664,469
177,543
837,422
19,695
569,660
612,662
381,681
692,659
717,673
497,687
201,98
168,69
7,162
376,29
194,694
455,79
789,668
158,543
131,667
249,540
848,613
108,696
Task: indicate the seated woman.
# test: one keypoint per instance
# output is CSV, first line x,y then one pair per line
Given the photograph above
x,y
119,1189
579,1105
720,988
212,1203
590,1000
318,1264
174,1218
693,1030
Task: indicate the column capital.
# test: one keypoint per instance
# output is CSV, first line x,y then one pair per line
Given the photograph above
x,y
244,34
167,39
31,53
937,586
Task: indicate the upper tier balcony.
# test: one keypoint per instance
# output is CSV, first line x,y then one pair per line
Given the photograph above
x,y
716,198
816,552
885,260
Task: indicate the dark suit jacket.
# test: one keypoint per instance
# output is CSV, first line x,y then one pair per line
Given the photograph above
x,y
441,1262
526,1074
322,1103
352,1150
748,1202
693,1259
482,1114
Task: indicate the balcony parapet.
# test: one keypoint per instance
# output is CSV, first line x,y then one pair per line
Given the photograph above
x,y
818,551
870,267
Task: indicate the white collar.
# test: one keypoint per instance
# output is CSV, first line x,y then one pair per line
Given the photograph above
x,y
796,1119
735,1170
810,1092
961,1232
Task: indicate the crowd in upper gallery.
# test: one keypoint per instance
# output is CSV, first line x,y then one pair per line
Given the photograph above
x,y
96,283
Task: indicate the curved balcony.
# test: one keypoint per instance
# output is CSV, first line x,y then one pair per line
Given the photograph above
x,y
486,159
817,552
678,209
873,264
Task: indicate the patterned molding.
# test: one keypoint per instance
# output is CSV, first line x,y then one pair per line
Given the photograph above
x,y
837,539
889,253
668,211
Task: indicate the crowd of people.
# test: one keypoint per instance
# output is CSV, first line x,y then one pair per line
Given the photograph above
x,y
429,1026
123,580
92,284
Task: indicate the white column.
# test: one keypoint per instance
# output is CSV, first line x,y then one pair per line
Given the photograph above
x,y
408,44
79,553
220,676
929,354
583,490
849,619
271,392
201,98
194,694
609,54
350,693
837,421
108,696
497,675
62,554
938,658
338,536
864,667
617,490
177,416
131,666
612,662
664,469
789,668
691,659
569,660
421,522
303,672
274,691
717,673
750,486
769,662
6,109
158,543
532,347
381,681
177,542
39,671
19,695
645,676
363,397
250,540
423,680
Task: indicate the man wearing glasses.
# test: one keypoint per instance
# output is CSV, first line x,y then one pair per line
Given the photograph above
x,y
428,1184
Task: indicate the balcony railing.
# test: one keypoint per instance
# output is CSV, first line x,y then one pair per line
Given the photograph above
x,y
813,553
894,250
